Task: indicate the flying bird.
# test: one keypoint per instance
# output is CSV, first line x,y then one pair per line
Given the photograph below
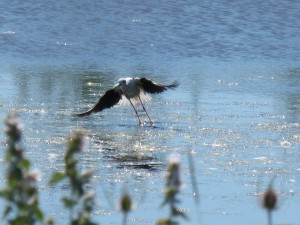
x,y
132,89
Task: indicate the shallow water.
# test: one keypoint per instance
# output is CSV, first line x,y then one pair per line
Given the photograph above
x,y
236,111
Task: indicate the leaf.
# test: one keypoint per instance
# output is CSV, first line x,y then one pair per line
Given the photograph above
x,y
56,177
25,164
4,193
165,221
7,211
39,214
177,212
69,203
85,176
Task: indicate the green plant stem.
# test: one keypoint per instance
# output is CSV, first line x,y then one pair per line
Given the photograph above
x,y
125,216
270,221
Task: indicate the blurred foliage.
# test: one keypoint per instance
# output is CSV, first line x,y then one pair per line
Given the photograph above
x,y
269,201
80,202
172,190
125,206
20,192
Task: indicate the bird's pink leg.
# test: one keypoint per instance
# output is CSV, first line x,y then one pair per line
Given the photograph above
x,y
151,122
136,113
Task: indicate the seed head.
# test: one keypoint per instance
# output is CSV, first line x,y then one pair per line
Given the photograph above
x,y
14,127
126,203
269,199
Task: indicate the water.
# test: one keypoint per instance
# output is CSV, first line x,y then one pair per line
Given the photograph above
x,y
236,111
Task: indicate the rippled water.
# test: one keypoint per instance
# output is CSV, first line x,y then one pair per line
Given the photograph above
x,y
236,111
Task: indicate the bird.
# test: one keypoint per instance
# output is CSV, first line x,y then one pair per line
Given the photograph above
x,y
131,89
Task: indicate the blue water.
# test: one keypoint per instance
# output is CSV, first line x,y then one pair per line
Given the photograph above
x,y
148,32
237,110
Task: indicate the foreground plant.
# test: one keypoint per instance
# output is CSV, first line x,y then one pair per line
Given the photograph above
x,y
125,206
20,192
172,190
80,203
269,201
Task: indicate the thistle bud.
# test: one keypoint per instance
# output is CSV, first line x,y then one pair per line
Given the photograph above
x,y
14,127
269,199
173,175
126,203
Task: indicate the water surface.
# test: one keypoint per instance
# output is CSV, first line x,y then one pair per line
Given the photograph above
x,y
236,111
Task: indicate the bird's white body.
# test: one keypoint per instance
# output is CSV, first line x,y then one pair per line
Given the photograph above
x,y
129,87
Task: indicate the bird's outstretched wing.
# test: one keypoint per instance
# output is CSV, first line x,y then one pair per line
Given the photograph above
x,y
153,87
109,99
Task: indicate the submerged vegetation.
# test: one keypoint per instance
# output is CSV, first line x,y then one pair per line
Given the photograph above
x,y
22,199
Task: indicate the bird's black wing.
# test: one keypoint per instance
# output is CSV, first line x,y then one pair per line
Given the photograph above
x,y
109,99
153,87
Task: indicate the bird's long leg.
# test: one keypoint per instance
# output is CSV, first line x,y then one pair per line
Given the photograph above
x,y
151,122
136,113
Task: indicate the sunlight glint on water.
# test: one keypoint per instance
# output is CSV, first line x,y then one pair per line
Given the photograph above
x,y
236,110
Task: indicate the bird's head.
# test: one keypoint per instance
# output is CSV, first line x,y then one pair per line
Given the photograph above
x,y
123,82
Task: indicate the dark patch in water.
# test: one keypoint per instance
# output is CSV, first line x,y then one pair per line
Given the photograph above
x,y
149,166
